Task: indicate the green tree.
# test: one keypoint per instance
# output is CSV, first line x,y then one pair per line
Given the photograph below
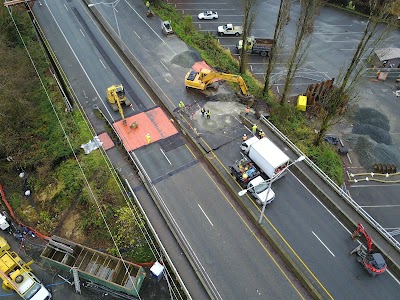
x,y
248,22
305,25
380,23
283,17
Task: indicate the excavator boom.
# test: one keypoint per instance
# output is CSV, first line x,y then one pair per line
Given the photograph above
x,y
201,80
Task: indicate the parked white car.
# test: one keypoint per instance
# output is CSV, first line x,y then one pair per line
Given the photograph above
x,y
208,15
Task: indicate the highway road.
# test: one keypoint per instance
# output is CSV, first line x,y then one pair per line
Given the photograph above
x,y
334,41
208,221
237,263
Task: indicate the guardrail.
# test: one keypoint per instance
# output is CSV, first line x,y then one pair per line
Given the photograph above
x,y
334,186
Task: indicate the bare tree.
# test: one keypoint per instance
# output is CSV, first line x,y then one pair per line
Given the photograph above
x,y
248,22
283,17
305,25
380,24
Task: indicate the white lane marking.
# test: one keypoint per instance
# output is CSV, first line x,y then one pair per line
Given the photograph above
x,y
388,205
183,3
348,231
165,156
218,8
79,62
66,7
150,27
102,64
81,32
137,34
164,66
353,41
205,215
373,185
323,243
336,32
332,25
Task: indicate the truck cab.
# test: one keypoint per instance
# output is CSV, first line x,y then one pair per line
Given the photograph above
x,y
259,189
17,275
229,29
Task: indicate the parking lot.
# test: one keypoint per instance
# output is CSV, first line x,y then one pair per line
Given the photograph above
x,y
334,40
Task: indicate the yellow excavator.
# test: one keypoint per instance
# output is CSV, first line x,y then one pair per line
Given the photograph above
x,y
203,79
116,96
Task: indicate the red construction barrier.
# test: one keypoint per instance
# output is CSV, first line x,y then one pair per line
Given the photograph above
x,y
3,197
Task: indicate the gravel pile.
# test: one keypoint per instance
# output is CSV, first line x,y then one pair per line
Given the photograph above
x,y
186,59
370,152
370,139
379,135
372,117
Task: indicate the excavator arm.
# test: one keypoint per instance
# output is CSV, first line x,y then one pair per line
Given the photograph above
x,y
121,111
228,77
360,229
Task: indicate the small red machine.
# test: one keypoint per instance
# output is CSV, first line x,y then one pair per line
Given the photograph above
x,y
374,263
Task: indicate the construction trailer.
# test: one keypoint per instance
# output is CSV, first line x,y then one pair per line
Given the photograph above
x,y
97,267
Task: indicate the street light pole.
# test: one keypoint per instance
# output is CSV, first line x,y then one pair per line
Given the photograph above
x,y
270,181
112,5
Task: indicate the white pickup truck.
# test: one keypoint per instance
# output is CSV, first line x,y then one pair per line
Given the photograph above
x,y
229,29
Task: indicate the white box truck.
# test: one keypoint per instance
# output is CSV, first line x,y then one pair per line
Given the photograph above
x,y
266,155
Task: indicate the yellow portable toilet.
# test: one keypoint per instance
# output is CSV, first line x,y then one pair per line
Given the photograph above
x,y
302,103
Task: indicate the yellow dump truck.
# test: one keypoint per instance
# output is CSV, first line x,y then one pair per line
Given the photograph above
x,y
17,275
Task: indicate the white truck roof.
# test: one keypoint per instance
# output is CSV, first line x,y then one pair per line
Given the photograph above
x,y
275,155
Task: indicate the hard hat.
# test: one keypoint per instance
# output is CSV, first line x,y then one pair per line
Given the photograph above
x,y
244,134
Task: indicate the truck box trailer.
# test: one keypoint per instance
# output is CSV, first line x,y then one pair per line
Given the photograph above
x,y
266,155
95,266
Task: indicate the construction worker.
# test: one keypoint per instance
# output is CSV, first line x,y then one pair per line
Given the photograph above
x,y
148,5
203,111
208,114
254,129
246,110
148,138
261,134
244,137
181,105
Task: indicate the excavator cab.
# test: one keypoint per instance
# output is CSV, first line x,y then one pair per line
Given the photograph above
x,y
120,92
116,96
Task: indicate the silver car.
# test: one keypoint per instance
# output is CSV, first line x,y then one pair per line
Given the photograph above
x,y
208,15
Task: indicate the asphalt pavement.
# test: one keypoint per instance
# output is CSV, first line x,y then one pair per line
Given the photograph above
x,y
198,203
334,41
